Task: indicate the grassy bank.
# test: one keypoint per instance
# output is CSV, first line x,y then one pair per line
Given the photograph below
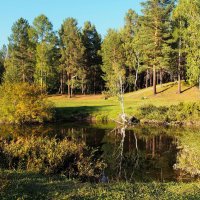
x,y
21,185
96,107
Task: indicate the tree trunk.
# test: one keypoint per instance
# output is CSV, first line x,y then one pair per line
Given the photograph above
x,y
82,87
147,78
72,87
136,78
157,79
179,67
154,80
69,87
23,77
94,85
150,77
179,83
62,83
161,78
153,147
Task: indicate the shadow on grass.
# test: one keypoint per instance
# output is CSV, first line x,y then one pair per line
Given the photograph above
x,y
187,89
78,113
34,186
165,89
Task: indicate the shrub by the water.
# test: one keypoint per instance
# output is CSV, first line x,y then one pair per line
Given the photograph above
x,y
23,103
153,112
188,159
183,112
49,156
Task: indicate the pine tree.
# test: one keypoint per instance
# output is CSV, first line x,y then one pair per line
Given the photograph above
x,y
21,55
179,34
155,33
192,38
72,52
92,43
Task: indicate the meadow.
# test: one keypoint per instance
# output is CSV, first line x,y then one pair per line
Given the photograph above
x,y
96,107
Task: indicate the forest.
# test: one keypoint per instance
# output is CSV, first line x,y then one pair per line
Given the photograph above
x,y
161,45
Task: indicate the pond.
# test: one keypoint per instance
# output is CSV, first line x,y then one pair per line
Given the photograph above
x,y
140,153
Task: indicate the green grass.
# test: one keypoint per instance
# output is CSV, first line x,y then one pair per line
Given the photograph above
x,y
96,107
21,185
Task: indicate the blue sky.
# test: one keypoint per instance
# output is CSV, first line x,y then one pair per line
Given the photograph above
x,y
103,13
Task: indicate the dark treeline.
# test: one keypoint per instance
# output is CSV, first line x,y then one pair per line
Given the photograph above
x,y
159,46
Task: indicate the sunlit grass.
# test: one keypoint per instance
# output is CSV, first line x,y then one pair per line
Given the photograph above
x,y
96,106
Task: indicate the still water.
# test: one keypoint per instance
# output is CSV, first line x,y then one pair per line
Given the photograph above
x,y
139,153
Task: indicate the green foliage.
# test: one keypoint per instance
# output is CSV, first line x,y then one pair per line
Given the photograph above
x,y
50,156
188,159
113,61
156,30
152,112
183,112
132,47
92,60
193,47
46,52
3,53
23,103
72,52
20,54
22,185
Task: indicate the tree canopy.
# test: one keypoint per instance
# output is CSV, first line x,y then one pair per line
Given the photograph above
x,y
160,45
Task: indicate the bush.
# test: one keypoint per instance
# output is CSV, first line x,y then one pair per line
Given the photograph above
x,y
23,103
49,156
152,112
188,159
183,112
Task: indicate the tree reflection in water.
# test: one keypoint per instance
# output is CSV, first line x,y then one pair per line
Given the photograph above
x,y
139,153
134,153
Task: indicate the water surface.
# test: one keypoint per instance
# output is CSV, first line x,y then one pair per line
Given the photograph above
x,y
141,153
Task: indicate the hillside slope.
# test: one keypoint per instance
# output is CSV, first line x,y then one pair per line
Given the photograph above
x,y
95,106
